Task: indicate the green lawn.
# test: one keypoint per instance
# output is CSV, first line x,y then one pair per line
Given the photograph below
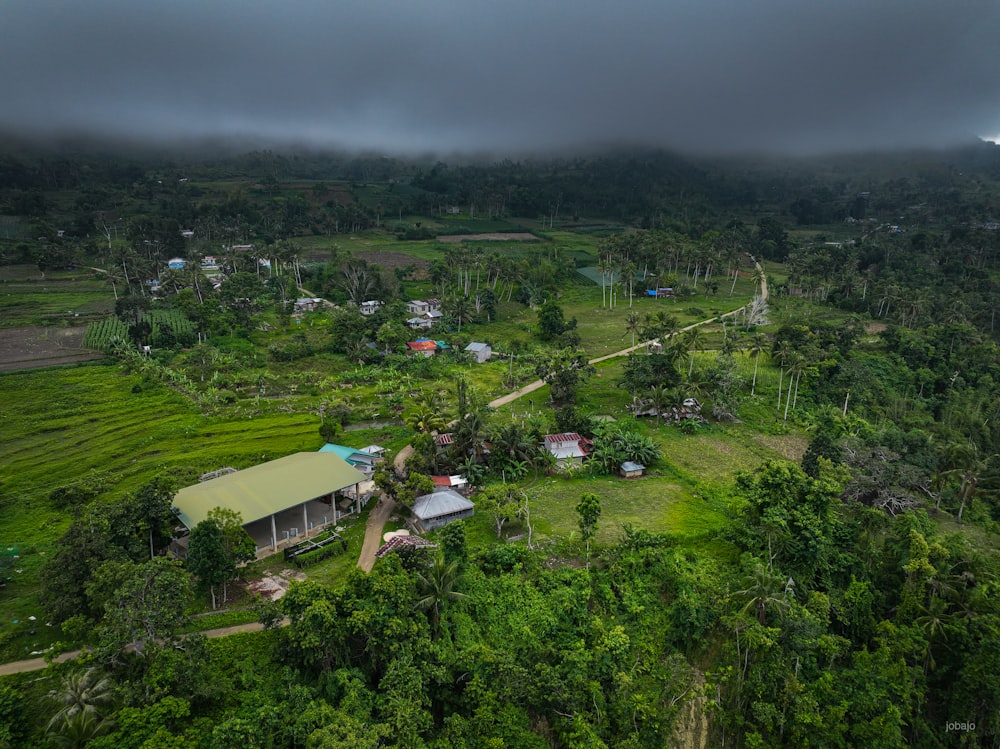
x,y
657,503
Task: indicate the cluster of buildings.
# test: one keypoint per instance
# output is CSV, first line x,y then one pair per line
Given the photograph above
x,y
286,501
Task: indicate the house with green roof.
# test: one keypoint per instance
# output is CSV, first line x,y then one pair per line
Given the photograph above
x,y
280,501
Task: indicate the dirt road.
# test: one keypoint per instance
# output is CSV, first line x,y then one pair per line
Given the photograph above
x,y
533,386
38,664
378,516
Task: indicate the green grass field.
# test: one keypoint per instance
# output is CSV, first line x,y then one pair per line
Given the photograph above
x,y
30,297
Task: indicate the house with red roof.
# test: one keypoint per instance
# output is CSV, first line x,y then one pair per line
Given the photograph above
x,y
568,448
423,347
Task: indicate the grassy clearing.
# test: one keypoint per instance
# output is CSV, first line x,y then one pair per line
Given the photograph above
x,y
29,297
658,503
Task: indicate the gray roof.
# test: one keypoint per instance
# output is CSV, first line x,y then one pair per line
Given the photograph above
x,y
628,465
477,347
440,503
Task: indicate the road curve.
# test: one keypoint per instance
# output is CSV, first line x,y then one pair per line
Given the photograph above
x,y
533,386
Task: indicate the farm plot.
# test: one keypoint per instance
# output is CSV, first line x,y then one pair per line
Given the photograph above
x,y
40,346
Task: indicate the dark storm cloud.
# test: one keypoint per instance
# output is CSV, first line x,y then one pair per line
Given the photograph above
x,y
787,75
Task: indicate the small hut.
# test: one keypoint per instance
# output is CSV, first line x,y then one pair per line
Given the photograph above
x,y
631,470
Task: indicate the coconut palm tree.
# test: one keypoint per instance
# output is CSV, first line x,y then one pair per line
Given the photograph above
x,y
782,352
964,462
692,340
758,344
765,594
81,693
798,364
77,731
759,278
632,324
437,587
424,419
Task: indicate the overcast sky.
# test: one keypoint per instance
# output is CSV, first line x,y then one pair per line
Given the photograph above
x,y
508,76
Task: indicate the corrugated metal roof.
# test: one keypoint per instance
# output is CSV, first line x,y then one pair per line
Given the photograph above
x,y
565,437
628,465
477,346
396,542
265,489
440,503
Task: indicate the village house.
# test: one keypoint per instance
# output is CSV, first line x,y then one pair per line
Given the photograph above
x,y
419,323
568,448
631,470
480,352
364,459
440,508
423,306
458,483
308,304
398,540
369,307
422,347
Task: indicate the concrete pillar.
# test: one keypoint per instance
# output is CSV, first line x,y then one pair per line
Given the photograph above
x,y
274,534
305,519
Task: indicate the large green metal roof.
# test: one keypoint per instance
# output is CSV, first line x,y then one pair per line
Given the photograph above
x,y
263,490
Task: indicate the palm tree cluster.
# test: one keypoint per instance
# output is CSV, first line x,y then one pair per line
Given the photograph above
x,y
615,444
666,258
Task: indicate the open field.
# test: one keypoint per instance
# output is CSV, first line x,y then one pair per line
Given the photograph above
x,y
30,297
41,346
491,237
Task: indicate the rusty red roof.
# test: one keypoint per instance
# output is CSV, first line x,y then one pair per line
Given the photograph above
x,y
565,437
422,345
397,542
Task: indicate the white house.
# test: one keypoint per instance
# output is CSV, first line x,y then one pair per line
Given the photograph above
x,y
458,483
369,307
480,352
423,306
568,448
419,323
